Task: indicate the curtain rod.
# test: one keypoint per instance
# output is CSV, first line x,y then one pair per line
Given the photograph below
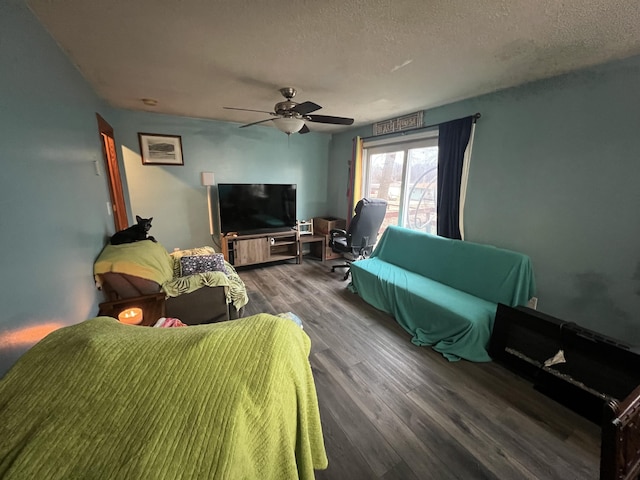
x,y
475,116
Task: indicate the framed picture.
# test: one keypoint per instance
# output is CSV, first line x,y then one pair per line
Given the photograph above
x,y
160,149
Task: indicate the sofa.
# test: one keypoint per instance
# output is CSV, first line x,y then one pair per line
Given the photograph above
x,y
203,294
443,292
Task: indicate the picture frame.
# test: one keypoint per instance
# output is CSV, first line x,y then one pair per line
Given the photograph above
x,y
158,149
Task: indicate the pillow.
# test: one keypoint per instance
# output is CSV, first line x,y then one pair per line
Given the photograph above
x,y
190,264
177,254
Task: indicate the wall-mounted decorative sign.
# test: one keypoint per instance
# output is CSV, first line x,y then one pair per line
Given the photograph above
x,y
406,122
160,149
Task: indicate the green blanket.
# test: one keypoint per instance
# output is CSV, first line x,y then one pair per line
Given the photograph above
x,y
145,259
236,293
232,400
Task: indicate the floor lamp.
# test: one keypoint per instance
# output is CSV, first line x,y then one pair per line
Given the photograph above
x,y
208,180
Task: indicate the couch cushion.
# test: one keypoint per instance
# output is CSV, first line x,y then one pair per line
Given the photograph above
x,y
121,285
453,322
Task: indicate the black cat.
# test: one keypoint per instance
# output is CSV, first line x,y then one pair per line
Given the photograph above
x,y
134,233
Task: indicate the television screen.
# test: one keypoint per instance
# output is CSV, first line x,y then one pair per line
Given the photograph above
x,y
256,207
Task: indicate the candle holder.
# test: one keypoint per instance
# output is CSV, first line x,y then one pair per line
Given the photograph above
x,y
152,306
131,316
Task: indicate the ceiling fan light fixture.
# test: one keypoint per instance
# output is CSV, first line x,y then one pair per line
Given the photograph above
x,y
292,117
288,125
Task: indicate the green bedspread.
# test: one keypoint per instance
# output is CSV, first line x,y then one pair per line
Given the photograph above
x,y
232,400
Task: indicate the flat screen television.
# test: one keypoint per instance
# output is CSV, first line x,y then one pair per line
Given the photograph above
x,y
247,208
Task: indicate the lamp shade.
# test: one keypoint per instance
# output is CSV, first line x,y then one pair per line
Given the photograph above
x,y
207,179
288,125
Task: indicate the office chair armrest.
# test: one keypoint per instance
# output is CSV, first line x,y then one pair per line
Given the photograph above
x,y
336,232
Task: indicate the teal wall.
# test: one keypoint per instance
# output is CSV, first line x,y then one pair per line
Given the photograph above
x,y
554,174
54,216
173,195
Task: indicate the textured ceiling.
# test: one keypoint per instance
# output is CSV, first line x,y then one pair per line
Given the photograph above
x,y
366,59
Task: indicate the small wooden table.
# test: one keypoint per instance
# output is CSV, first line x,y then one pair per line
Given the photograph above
x,y
314,240
153,307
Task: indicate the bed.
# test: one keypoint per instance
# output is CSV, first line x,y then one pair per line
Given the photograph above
x,y
101,399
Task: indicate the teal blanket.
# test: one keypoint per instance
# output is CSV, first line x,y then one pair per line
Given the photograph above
x,y
443,292
231,400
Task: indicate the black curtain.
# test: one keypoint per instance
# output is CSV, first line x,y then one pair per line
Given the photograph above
x,y
453,138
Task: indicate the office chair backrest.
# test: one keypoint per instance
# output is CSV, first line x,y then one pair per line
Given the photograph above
x,y
364,226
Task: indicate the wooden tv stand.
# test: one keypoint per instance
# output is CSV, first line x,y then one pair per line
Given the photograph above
x,y
255,249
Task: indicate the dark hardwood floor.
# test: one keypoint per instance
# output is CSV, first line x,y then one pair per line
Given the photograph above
x,y
392,410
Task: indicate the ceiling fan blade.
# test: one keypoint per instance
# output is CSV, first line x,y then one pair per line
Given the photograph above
x,y
304,129
306,107
256,123
248,110
328,119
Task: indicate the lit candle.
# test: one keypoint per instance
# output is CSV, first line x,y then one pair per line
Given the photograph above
x,y
131,316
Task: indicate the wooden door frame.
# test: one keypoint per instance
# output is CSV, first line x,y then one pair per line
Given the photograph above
x,y
112,168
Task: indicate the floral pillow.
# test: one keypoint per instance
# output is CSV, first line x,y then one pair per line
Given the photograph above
x,y
191,264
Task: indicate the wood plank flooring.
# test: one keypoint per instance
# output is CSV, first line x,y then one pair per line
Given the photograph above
x,y
392,410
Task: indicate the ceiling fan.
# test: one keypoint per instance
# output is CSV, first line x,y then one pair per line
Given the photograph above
x,y
291,116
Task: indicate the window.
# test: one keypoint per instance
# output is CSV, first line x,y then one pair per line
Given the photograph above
x,y
405,173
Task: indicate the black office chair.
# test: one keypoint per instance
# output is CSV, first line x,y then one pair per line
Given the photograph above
x,y
358,240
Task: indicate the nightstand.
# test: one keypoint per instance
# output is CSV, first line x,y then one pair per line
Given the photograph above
x,y
153,307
